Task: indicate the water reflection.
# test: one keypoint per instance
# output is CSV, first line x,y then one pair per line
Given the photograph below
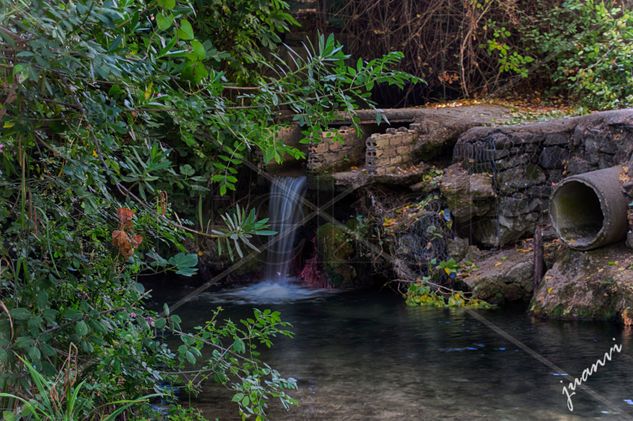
x,y
367,356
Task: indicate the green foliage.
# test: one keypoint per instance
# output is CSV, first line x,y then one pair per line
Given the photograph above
x,y
116,117
244,33
429,291
61,399
228,353
180,413
589,45
421,294
241,227
509,60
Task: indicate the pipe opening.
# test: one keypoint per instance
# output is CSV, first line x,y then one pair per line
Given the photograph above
x,y
577,213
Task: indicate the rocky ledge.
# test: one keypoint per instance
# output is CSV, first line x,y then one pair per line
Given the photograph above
x,y
587,285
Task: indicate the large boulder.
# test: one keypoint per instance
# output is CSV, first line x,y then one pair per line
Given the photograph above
x,y
587,285
503,276
468,196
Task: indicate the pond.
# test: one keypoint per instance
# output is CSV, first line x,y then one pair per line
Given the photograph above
x,y
366,355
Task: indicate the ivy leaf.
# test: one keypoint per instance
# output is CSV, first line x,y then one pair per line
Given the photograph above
x,y
185,32
185,263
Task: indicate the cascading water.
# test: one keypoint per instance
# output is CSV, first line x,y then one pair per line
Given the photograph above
x,y
279,284
285,210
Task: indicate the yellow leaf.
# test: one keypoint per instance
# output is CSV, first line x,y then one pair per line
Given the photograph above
x,y
148,90
8,124
497,264
389,222
549,290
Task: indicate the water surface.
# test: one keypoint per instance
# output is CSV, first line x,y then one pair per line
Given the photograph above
x,y
367,356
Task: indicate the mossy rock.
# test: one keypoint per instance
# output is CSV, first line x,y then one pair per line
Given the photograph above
x,y
336,253
502,277
587,285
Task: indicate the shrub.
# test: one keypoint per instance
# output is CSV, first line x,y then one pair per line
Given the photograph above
x,y
115,118
589,47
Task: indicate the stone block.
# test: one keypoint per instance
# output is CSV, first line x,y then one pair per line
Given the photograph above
x,y
404,150
395,160
552,157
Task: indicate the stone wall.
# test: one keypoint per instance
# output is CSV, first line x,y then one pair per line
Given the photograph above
x,y
338,149
526,161
386,152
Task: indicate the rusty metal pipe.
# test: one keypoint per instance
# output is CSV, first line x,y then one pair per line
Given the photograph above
x,y
589,210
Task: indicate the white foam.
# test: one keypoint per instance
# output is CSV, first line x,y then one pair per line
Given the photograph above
x,y
268,292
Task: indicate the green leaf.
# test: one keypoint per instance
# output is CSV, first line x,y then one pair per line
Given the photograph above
x,y
164,22
20,313
72,314
167,4
34,354
185,263
185,31
160,323
198,49
239,346
199,72
187,170
190,357
4,356
20,73
81,328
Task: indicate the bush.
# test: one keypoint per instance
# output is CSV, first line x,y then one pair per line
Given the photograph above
x,y
589,47
116,117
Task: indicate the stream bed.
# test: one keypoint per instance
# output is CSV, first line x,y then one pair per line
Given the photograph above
x,y
367,356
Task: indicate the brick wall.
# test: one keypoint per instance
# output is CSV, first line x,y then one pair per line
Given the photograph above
x,y
339,149
386,152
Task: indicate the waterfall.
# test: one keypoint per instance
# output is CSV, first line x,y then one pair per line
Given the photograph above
x,y
285,210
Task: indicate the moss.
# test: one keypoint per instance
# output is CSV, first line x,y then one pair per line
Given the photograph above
x,y
336,250
557,312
